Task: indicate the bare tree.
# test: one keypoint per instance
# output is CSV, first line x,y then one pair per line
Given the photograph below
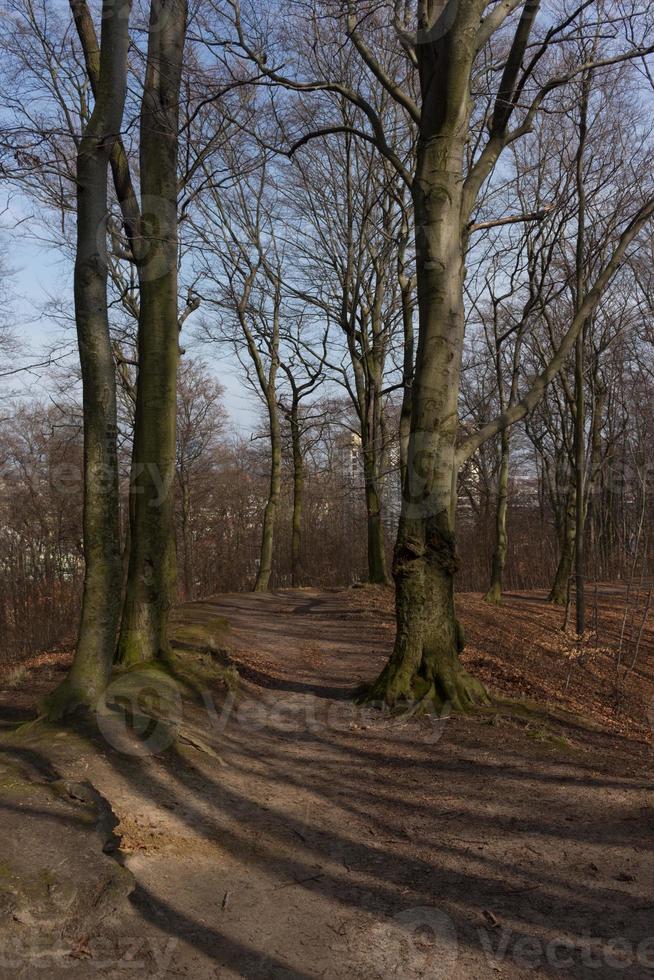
x,y
200,424
459,139
349,215
91,667
152,574
244,262
304,374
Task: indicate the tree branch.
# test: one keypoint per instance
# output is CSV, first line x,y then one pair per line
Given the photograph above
x,y
537,390
119,161
393,89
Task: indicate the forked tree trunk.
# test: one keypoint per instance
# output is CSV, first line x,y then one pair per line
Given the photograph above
x,y
494,594
152,575
91,666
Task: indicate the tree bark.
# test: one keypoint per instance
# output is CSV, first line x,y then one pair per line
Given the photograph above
x,y
405,410
594,471
152,572
494,594
425,661
580,395
189,576
91,666
298,493
377,570
580,486
559,591
407,288
262,582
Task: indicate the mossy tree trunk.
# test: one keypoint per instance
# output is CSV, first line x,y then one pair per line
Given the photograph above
x,y
425,661
91,666
152,575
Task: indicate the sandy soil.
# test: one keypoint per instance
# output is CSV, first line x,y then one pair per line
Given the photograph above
x,y
293,834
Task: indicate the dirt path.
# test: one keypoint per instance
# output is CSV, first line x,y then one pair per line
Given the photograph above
x,y
332,842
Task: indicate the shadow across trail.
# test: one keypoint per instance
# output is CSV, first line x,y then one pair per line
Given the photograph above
x,y
331,841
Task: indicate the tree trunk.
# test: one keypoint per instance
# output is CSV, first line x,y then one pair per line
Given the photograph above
x,y
262,583
91,667
494,594
559,591
377,571
425,661
405,410
189,588
407,298
593,473
580,487
152,572
580,395
298,491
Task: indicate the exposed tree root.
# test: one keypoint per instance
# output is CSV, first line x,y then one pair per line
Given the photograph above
x,y
450,686
69,698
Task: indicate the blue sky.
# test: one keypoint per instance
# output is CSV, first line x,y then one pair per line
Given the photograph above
x,y
40,274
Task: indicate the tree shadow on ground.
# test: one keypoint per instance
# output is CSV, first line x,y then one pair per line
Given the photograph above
x,y
373,826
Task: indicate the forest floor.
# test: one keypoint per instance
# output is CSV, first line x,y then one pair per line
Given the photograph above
x,y
288,833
